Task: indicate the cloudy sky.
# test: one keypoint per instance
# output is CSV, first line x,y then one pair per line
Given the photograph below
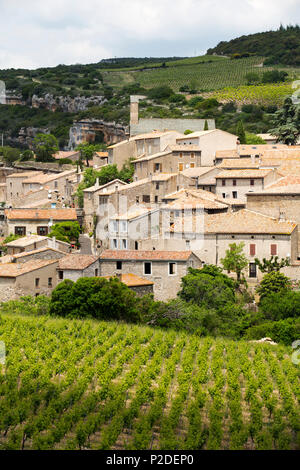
x,y
37,33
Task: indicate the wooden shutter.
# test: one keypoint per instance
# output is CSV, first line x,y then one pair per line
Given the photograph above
x,y
273,249
252,249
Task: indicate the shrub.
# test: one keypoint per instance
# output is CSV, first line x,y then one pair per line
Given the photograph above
x,y
273,282
283,331
160,92
277,306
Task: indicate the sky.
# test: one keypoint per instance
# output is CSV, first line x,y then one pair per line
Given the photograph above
x,y
38,33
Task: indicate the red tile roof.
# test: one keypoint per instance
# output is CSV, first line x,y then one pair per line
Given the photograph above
x,y
145,255
77,262
41,214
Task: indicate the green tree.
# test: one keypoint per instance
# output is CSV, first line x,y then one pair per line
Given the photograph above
x,y
235,260
66,232
272,264
87,151
207,287
240,131
45,146
26,155
205,125
252,78
10,155
286,123
273,282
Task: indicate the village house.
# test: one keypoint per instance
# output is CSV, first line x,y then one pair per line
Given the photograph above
x,y
34,277
91,199
251,151
42,253
70,155
135,283
210,235
209,142
236,184
75,266
164,268
35,242
36,221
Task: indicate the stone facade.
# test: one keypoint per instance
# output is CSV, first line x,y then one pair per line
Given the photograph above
x,y
75,274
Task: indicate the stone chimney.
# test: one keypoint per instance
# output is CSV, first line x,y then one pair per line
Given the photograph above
x,y
97,185
134,110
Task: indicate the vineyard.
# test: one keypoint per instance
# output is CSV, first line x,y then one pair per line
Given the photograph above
x,y
103,385
255,94
202,74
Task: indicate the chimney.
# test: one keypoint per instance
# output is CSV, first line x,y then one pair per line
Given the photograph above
x,y
281,216
134,110
97,185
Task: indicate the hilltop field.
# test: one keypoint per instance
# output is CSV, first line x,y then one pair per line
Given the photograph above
x,y
72,384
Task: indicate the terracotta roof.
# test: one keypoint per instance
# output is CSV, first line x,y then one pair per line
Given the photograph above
x,y
152,157
145,255
41,214
194,203
10,258
227,154
64,154
94,188
132,280
197,171
26,241
245,221
17,269
253,173
162,176
133,214
237,163
285,185
25,174
101,154
43,178
76,262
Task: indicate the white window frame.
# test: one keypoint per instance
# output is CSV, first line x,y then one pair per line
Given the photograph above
x,y
123,226
112,243
122,243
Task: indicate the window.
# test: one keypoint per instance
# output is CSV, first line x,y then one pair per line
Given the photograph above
x,y
157,186
42,231
115,225
172,269
55,184
49,281
136,245
233,182
223,182
137,199
192,155
60,275
252,249
147,268
251,182
180,167
234,194
119,265
146,198
180,155
157,167
96,272
123,226
187,244
124,244
192,165
114,243
223,195
20,230
252,270
37,282
156,199
273,249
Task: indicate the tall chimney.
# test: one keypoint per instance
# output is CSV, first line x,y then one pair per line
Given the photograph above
x,y
134,110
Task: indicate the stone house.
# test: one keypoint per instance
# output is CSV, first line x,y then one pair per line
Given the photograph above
x,y
236,184
250,151
164,268
91,199
34,277
209,143
280,200
14,185
35,242
137,284
75,266
172,160
42,253
209,237
36,221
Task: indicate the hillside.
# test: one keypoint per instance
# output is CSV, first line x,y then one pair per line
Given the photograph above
x,y
73,384
279,47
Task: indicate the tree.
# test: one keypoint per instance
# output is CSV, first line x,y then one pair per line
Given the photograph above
x,y
207,287
10,155
45,146
241,132
273,282
252,78
66,232
235,260
286,123
87,151
26,155
205,125
272,264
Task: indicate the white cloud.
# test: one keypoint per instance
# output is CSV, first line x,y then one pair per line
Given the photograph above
x,y
46,33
